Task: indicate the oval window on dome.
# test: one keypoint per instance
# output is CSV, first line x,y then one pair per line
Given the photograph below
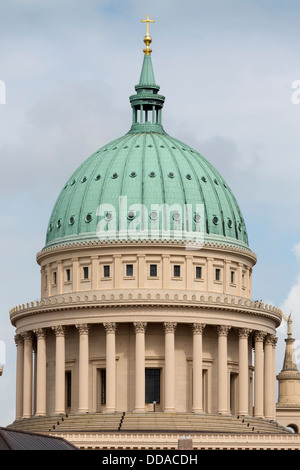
x,y
204,179
216,181
153,215
83,179
152,174
229,223
171,174
72,220
98,177
58,223
197,217
176,216
50,227
188,177
133,174
88,218
240,226
130,215
114,176
108,216
73,182
215,220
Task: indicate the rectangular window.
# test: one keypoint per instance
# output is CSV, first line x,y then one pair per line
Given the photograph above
x,y
68,275
106,271
68,388
54,278
218,274
198,272
152,385
103,386
129,269
85,272
232,277
176,271
153,270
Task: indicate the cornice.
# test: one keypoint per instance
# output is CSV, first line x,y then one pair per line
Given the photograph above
x,y
145,298
76,245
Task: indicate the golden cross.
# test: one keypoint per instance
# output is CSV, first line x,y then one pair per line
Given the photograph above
x,y
148,21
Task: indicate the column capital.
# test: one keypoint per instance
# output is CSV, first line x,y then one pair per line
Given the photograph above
x,y
40,332
170,327
259,336
198,328
18,339
271,339
59,330
244,333
110,327
83,328
223,330
27,335
140,327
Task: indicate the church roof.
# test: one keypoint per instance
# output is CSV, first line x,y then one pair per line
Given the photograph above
x,y
19,440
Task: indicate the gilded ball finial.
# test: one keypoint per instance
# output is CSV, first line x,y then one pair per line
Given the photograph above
x,y
147,38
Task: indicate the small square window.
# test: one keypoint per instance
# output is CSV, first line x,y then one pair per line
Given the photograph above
x,y
218,274
68,275
85,272
176,271
153,270
129,270
198,272
106,270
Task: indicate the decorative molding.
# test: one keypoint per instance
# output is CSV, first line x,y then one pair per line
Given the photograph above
x,y
59,330
244,333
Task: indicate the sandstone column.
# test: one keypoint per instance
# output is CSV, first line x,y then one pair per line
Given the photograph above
x,y
243,372
110,366
140,329
169,365
259,374
41,372
27,375
59,369
268,377
222,369
198,329
19,377
83,368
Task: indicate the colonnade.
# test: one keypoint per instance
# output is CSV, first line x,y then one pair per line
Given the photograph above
x,y
264,370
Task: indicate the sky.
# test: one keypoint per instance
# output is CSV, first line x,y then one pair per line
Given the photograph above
x,y
230,72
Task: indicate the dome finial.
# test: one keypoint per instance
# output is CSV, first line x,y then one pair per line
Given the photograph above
x,y
147,38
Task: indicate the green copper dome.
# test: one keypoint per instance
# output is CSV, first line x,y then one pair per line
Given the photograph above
x,y
146,185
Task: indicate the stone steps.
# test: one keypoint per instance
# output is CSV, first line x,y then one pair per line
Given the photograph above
x,y
148,422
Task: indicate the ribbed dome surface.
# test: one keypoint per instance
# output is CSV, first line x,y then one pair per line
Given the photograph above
x,y
146,168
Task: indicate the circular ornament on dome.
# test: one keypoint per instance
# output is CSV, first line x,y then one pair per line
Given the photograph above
x,y
188,177
72,220
176,216
88,218
133,174
171,175
114,176
98,177
215,220
152,174
204,179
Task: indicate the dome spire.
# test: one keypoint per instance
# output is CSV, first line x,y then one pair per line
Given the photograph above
x,y
147,38
147,104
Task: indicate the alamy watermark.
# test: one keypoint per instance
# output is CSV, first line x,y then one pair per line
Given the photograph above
x,y
154,222
2,92
296,94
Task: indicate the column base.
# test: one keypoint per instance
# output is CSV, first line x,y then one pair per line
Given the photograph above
x,y
170,410
139,410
